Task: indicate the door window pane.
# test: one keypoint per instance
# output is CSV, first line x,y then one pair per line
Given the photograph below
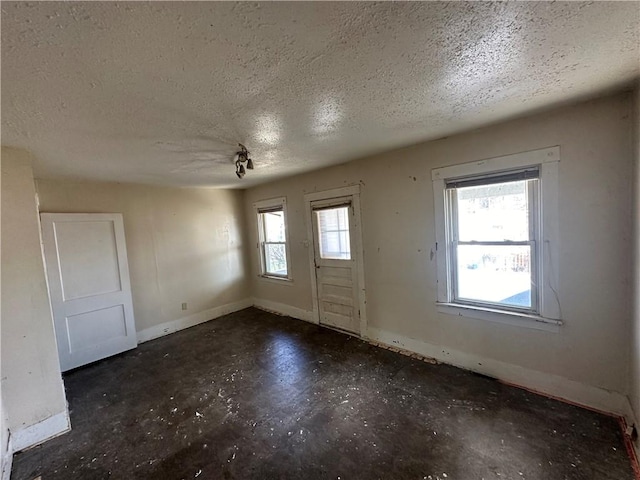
x,y
333,233
495,274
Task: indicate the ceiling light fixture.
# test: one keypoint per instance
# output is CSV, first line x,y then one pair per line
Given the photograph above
x,y
243,157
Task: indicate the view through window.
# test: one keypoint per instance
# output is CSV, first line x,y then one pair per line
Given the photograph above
x,y
493,242
273,241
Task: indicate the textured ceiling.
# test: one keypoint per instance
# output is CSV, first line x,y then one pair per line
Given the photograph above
x,y
163,92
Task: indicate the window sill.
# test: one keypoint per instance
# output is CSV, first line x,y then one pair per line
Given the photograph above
x,y
278,280
525,320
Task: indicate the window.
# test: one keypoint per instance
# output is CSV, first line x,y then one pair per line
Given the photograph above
x,y
333,239
493,239
496,247
272,238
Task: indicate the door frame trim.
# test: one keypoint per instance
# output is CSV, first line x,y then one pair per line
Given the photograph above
x,y
352,191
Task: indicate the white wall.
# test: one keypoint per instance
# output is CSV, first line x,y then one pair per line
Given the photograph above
x,y
5,453
32,389
183,244
634,368
585,360
6,456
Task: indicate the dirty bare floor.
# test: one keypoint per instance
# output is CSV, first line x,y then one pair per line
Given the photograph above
x,y
254,395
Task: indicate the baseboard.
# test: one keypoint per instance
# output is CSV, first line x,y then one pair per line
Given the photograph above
x,y
540,382
191,320
7,460
40,432
284,309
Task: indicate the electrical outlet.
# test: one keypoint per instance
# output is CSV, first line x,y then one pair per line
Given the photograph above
x,y
184,306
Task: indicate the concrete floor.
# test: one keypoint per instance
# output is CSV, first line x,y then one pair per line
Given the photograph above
x,y
255,395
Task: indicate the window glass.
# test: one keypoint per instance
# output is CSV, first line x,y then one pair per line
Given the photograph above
x,y
273,243
275,259
493,212
273,226
494,274
492,244
333,233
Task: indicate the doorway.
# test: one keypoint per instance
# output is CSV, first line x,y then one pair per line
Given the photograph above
x,y
336,261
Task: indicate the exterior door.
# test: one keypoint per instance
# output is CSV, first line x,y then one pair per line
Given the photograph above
x,y
335,263
89,286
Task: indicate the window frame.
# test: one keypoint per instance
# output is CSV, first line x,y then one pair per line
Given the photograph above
x,y
260,208
546,314
533,242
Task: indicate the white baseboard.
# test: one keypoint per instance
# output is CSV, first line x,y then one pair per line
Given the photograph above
x,y
191,320
284,309
7,460
553,385
40,432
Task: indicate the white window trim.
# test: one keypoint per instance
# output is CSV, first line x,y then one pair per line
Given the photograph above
x,y
263,205
550,314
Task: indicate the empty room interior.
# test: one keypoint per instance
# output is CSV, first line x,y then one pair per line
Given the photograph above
x,y
284,240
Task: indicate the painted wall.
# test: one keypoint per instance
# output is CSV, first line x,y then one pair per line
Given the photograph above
x,y
595,190
5,453
183,244
634,367
32,386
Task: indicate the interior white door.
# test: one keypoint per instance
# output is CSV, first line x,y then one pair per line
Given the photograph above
x,y
89,286
335,263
